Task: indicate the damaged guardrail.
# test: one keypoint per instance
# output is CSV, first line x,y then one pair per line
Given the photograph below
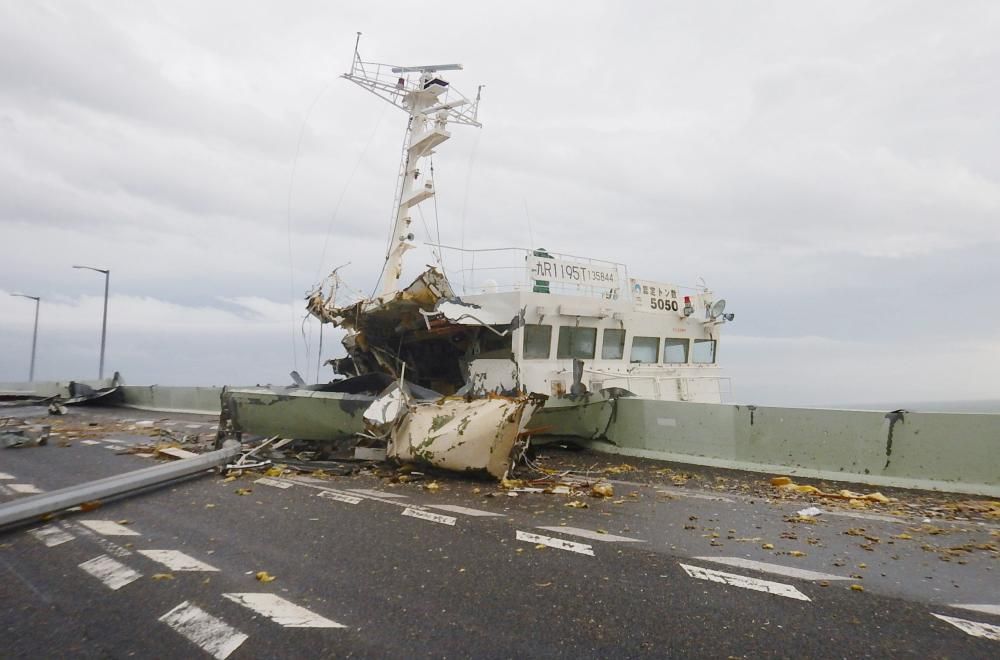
x,y
35,508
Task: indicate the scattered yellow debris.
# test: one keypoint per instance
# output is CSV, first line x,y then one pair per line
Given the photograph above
x,y
163,576
264,576
857,587
619,469
903,537
768,546
602,490
432,486
855,499
780,481
243,491
274,471
796,553
577,504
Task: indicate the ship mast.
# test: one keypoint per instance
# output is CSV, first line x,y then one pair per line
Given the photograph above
x,y
431,103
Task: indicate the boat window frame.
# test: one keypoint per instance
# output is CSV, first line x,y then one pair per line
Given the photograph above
x,y
687,349
572,354
621,344
656,343
715,351
524,341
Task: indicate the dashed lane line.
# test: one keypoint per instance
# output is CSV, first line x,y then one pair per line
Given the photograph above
x,y
778,569
274,483
592,534
176,560
340,497
282,612
90,442
559,544
113,574
465,511
51,535
974,628
4,475
109,528
25,489
984,608
374,493
428,515
776,588
212,635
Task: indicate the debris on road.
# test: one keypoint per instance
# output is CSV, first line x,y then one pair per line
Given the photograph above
x,y
16,433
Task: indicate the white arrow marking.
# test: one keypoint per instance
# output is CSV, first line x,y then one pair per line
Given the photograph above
x,y
592,534
559,544
271,482
974,628
24,488
464,510
427,515
778,569
776,588
51,535
283,612
214,636
340,497
985,609
109,528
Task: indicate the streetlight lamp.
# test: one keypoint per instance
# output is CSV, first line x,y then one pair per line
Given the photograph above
x,y
104,322
34,336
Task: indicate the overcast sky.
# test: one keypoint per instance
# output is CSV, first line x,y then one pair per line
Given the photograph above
x,y
831,168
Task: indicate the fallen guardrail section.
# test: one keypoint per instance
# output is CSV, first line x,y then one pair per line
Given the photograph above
x,y
37,507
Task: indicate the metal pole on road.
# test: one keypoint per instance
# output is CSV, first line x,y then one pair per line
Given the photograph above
x,y
34,336
104,321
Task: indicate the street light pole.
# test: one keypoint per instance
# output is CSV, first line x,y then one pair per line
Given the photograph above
x,y
34,336
104,321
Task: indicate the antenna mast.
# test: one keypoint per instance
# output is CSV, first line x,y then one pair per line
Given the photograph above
x,y
430,103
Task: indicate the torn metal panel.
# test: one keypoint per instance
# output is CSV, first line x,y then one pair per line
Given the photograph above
x,y
462,435
295,413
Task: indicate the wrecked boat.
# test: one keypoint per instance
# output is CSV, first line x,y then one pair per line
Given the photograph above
x,y
534,340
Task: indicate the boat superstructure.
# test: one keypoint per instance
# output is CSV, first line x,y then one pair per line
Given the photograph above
x,y
513,320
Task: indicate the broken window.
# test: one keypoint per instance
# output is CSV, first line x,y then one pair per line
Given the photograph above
x,y
613,345
576,342
645,350
675,350
537,341
704,351
494,344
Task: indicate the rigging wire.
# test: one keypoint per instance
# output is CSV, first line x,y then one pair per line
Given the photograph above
x,y
465,200
288,217
437,222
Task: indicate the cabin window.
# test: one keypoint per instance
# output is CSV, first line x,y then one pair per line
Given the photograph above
x,y
537,342
645,350
576,342
704,351
675,350
495,344
613,344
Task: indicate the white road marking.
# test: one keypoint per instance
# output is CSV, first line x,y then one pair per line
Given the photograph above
x,y
985,609
592,535
109,528
779,569
4,475
373,493
51,535
192,426
974,628
559,544
177,452
113,441
112,447
113,574
464,510
776,588
265,481
340,497
212,635
282,612
90,442
427,515
24,488
868,516
177,561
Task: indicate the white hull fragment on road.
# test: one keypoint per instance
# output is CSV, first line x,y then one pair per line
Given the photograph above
x,y
109,528
51,535
340,497
974,628
427,515
113,574
776,588
592,534
177,561
282,612
777,569
559,544
212,635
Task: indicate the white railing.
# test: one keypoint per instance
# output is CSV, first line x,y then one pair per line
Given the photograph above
x,y
506,269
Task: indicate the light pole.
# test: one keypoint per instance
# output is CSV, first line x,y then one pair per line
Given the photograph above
x,y
104,321
34,336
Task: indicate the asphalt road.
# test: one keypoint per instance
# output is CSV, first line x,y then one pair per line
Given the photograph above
x,y
367,568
